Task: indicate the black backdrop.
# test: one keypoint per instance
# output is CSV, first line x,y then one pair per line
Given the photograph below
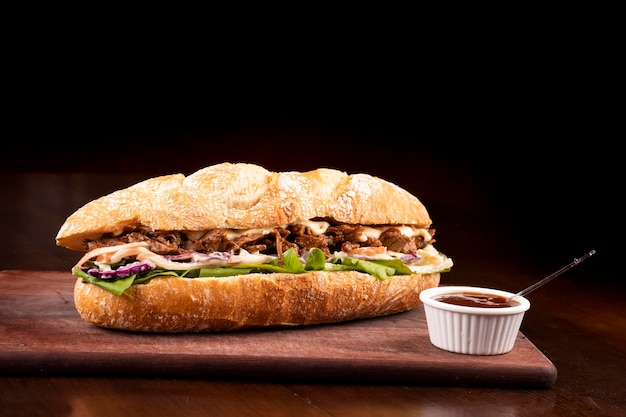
x,y
521,134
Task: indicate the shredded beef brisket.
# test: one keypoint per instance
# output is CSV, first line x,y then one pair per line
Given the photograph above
x,y
338,237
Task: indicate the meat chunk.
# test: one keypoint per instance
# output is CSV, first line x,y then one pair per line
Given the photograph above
x,y
397,242
338,237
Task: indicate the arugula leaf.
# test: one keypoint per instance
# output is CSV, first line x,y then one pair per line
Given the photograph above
x,y
291,262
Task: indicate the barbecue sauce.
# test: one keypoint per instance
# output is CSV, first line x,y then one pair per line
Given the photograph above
x,y
477,300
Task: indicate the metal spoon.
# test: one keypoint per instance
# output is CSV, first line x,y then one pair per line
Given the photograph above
x,y
553,275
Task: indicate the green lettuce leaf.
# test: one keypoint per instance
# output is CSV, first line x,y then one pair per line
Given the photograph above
x,y
220,272
117,287
315,261
370,267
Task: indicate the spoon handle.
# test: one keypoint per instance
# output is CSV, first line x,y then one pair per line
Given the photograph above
x,y
555,274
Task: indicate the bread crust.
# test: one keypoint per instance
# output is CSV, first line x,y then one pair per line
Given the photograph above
x,y
242,196
247,301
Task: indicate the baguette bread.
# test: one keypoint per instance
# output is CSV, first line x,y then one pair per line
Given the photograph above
x,y
174,305
222,211
243,196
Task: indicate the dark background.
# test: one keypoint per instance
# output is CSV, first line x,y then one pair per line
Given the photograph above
x,y
516,128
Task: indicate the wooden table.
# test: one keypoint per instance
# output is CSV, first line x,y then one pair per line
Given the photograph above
x,y
578,323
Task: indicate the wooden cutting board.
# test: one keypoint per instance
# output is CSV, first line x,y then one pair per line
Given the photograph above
x,y
42,334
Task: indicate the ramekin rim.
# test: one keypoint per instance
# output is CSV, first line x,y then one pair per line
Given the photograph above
x,y
426,297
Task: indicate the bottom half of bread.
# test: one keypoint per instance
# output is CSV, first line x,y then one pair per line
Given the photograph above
x,y
257,300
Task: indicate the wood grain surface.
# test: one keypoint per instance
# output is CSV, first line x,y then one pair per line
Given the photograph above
x,y
41,333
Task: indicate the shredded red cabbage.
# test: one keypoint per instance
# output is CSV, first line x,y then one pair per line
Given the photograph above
x,y
411,258
121,272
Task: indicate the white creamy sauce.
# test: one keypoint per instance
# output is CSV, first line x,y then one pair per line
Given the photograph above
x,y
318,228
429,256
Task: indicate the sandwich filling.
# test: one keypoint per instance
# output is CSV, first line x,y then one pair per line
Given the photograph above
x,y
134,256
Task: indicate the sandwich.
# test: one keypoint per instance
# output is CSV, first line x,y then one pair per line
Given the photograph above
x,y
235,246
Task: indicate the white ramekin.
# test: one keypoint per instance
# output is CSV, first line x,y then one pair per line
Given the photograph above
x,y
472,330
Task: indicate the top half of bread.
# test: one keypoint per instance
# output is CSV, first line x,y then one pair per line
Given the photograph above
x,y
243,196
